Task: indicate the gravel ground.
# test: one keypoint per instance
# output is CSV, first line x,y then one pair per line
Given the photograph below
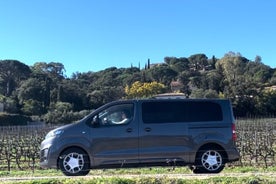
x,y
187,176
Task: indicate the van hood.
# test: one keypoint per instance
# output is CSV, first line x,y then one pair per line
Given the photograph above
x,y
59,131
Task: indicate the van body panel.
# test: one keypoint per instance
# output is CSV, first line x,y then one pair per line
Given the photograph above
x,y
155,139
121,144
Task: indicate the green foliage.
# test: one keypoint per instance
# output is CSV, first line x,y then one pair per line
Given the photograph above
x,y
53,69
59,113
12,72
200,93
273,78
32,107
10,104
105,95
162,73
34,90
13,119
198,61
177,64
266,101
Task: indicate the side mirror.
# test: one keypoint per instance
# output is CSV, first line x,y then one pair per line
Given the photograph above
x,y
96,121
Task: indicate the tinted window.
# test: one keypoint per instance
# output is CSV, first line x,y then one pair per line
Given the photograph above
x,y
177,111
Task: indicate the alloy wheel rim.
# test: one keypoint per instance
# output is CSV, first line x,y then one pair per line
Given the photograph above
x,y
211,160
73,163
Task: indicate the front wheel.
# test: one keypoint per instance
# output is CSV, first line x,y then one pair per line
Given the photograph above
x,y
209,161
74,162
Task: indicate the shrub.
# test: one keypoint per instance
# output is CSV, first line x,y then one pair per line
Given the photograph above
x,y
13,119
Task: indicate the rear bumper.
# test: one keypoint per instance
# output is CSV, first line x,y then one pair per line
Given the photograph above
x,y
233,155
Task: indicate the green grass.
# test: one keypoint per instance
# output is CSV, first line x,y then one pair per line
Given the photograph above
x,y
134,171
143,176
151,180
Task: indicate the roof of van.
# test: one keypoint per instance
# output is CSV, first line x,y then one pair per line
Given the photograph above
x,y
169,98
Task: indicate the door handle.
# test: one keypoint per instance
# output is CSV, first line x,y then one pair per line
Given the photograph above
x,y
129,130
147,129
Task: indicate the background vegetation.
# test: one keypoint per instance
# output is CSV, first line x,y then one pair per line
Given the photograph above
x,y
19,145
43,92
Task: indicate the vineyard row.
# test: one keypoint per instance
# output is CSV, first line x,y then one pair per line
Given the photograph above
x,y
19,146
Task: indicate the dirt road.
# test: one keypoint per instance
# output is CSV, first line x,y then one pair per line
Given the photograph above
x,y
187,176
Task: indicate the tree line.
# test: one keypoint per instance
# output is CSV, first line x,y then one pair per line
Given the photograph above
x,y
42,91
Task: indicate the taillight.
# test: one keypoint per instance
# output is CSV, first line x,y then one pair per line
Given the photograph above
x,y
234,134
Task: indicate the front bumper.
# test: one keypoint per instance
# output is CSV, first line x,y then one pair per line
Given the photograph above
x,y
48,154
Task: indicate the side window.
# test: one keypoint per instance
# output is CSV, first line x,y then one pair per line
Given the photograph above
x,y
177,111
160,112
115,115
203,111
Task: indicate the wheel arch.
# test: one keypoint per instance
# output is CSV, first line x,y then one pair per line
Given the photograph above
x,y
215,146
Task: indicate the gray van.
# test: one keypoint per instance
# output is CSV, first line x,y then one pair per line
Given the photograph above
x,y
199,133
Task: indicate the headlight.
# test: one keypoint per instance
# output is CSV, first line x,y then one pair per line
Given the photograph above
x,y
54,133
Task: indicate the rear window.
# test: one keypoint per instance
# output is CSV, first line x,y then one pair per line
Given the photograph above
x,y
177,111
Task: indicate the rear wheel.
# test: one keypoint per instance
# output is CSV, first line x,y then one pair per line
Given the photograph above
x,y
209,161
74,162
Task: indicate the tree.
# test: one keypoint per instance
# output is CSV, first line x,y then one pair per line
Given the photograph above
x,y
196,79
36,90
108,77
32,95
10,104
233,68
33,107
198,61
212,62
177,64
144,90
184,78
59,113
266,102
33,89
53,69
214,80
52,73
163,74
200,93
72,92
273,78
12,72
104,95
258,72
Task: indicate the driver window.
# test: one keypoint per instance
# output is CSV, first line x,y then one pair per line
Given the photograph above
x,y
116,115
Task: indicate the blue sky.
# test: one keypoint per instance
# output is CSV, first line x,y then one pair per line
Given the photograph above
x,y
92,35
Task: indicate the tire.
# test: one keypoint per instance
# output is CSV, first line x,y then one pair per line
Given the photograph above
x,y
74,162
209,161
